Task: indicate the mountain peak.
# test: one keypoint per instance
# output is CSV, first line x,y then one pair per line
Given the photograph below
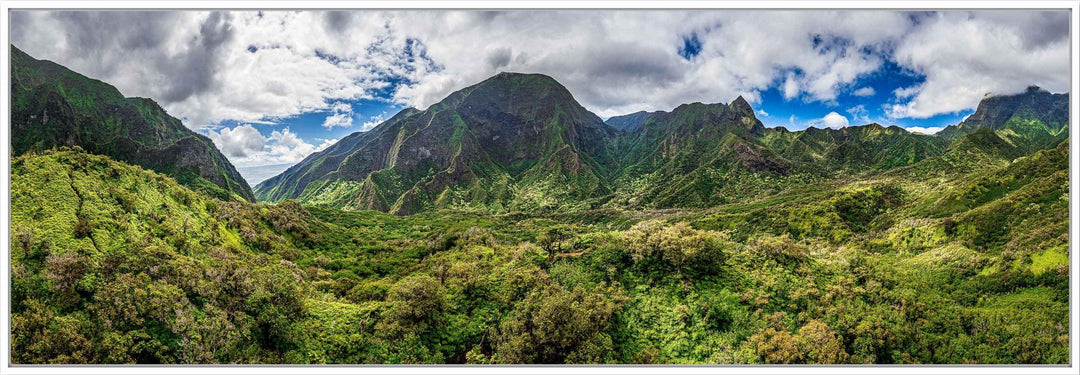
x,y
995,110
538,77
741,106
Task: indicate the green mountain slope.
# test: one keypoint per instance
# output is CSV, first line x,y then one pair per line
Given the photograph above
x,y
53,106
1029,121
520,142
701,155
512,142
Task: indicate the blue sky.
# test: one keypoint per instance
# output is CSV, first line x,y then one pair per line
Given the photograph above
x,y
861,103
272,87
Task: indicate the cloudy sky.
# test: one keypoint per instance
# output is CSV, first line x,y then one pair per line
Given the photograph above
x,y
271,87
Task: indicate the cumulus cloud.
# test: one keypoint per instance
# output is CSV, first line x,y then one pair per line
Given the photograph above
x,y
340,115
864,91
965,55
371,123
238,142
832,120
763,113
246,147
925,130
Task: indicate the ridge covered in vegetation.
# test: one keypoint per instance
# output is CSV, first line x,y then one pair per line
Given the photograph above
x,y
521,143
691,236
53,106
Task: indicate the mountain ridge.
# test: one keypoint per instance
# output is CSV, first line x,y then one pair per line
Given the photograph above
x,y
694,155
54,106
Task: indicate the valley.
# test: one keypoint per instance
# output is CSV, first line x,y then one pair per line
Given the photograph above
x,y
508,224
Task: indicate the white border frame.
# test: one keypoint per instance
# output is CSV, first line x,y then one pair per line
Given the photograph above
x,y
1074,161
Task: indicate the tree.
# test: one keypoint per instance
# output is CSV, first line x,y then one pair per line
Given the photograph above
x,y
416,303
775,346
676,245
553,325
819,344
551,239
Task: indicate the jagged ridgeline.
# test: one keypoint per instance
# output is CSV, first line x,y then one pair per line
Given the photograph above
x,y
520,142
53,106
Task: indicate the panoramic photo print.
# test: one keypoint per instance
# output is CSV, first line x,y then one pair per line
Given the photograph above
x,y
723,187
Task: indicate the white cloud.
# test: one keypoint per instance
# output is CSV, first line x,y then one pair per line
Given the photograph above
x,y
860,114
238,142
338,119
763,113
834,120
925,130
864,91
906,92
791,87
371,123
965,55
247,148
341,115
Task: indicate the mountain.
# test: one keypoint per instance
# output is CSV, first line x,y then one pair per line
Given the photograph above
x,y
629,122
53,106
520,142
854,148
511,142
700,155
696,155
995,112
1036,114
1009,126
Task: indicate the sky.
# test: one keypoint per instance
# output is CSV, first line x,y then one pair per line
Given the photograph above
x,y
271,87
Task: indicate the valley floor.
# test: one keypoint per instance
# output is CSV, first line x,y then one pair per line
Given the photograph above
x,y
115,264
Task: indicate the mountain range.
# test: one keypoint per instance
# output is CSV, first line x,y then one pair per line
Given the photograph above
x,y
714,239
522,143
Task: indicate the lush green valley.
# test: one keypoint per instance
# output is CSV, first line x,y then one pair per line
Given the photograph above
x,y
508,224
116,264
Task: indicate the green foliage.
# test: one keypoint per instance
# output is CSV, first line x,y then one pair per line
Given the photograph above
x,y
54,107
553,325
112,263
860,207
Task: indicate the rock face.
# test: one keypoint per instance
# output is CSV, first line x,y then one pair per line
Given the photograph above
x,y
54,106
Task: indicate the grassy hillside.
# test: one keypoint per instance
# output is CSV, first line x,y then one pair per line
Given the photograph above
x,y
112,263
